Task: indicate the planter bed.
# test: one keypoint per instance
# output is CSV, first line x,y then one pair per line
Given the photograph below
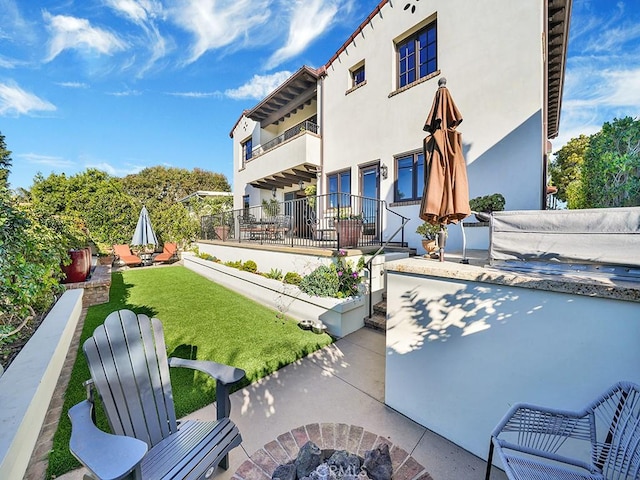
x,y
341,316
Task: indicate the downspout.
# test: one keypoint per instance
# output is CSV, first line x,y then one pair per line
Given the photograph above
x,y
322,72
545,101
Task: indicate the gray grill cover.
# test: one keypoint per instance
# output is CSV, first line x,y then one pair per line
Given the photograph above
x,y
606,236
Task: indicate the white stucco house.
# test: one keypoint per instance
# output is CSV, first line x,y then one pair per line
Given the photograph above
x,y
354,125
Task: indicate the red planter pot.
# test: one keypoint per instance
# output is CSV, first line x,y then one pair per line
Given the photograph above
x,y
76,271
87,261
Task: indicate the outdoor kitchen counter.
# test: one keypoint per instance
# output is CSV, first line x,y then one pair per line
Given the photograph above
x,y
478,270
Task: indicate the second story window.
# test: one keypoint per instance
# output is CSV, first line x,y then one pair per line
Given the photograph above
x,y
247,150
417,55
357,76
410,177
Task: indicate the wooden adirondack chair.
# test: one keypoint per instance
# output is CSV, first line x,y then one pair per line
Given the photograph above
x,y
129,369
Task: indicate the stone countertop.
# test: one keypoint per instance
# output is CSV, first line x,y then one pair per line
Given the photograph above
x,y
478,270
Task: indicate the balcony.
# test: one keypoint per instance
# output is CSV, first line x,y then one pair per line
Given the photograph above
x,y
286,159
293,132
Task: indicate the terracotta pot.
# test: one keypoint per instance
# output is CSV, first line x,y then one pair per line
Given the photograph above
x,y
222,232
349,232
429,245
106,260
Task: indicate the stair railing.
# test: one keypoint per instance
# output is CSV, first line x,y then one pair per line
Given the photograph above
x,y
369,263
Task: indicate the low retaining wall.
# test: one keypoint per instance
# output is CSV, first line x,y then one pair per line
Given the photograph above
x,y
341,317
28,384
96,288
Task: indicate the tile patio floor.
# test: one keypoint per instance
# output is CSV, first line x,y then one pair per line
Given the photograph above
x,y
342,383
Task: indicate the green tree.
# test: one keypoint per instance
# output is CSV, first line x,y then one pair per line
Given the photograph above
x,y
566,167
168,185
30,255
5,162
611,169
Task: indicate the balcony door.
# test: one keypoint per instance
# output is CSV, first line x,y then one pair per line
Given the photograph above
x,y
370,191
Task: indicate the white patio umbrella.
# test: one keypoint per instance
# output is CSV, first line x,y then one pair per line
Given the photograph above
x,y
144,234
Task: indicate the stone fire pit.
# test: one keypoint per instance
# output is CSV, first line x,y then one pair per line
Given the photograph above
x,y
329,437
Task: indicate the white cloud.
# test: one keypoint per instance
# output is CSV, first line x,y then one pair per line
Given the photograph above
x,y
138,11
216,23
196,94
126,93
144,14
259,86
47,160
73,84
121,171
78,34
309,20
16,101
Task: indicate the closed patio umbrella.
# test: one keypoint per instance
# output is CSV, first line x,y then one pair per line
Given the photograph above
x,y
445,198
144,234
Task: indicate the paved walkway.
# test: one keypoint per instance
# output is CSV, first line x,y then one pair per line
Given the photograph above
x,y
340,384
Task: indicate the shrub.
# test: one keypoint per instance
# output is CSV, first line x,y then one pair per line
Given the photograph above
x,y
207,256
322,282
292,278
488,203
339,280
275,274
249,266
233,264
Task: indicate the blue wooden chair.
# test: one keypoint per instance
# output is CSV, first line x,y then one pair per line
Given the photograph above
x,y
130,372
544,443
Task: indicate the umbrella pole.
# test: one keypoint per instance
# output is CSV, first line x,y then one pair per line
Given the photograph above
x,y
464,260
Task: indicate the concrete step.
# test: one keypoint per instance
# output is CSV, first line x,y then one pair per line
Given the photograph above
x,y
377,322
380,307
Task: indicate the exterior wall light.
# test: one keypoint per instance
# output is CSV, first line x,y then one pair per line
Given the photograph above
x,y
384,171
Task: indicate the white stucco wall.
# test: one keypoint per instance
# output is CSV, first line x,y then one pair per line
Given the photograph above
x,y
461,353
491,54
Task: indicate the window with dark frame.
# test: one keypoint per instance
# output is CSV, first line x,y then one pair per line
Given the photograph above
x,y
358,76
339,189
409,177
417,55
245,206
247,150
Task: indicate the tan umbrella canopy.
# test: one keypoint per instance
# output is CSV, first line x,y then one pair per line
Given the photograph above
x,y
446,191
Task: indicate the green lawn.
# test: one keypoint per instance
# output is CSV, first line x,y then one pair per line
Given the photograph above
x,y
201,320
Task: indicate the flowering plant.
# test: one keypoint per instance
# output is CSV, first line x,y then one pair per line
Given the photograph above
x,y
348,276
339,280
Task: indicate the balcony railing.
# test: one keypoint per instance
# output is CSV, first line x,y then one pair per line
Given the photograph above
x,y
299,129
326,221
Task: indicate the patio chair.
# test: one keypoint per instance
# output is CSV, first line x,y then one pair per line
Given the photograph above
x,y
123,254
541,443
129,371
169,253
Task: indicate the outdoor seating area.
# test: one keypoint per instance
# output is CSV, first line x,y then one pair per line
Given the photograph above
x,y
124,255
319,221
130,373
169,253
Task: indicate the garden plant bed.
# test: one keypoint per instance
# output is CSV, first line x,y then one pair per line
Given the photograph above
x,y
341,316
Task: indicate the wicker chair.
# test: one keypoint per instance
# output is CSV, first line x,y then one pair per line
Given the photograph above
x,y
541,443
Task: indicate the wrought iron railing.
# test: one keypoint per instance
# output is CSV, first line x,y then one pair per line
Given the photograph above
x,y
299,129
329,221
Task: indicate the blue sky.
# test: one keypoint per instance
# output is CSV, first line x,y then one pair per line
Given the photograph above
x,y
121,85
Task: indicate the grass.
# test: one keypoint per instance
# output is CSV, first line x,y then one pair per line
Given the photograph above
x,y
201,319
